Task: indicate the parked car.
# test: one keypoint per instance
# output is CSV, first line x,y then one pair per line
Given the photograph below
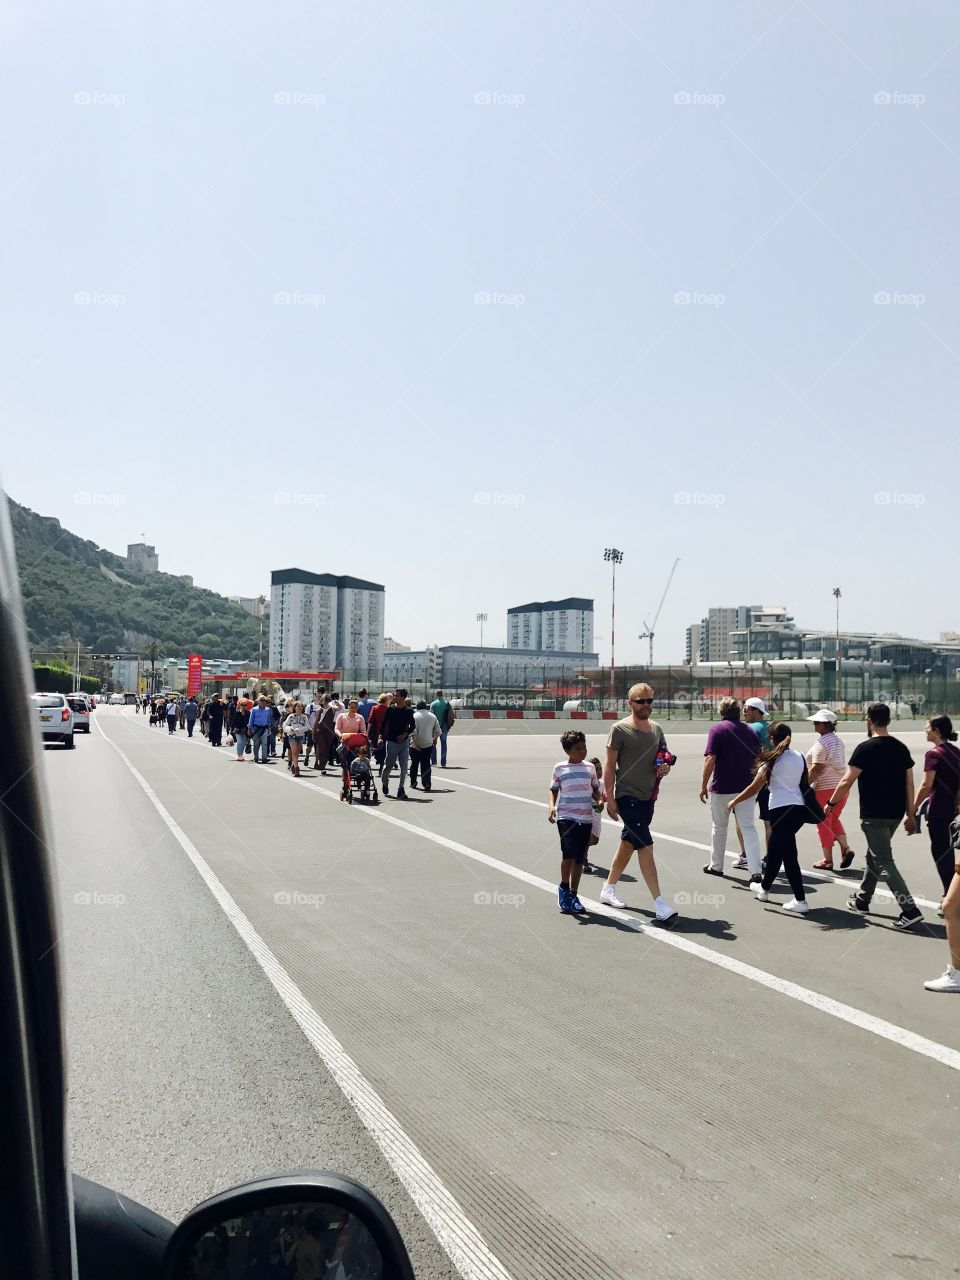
x,y
55,716
81,712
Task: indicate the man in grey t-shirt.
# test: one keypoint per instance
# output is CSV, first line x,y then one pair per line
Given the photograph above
x,y
630,778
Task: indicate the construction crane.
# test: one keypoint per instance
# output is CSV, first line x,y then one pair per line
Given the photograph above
x,y
650,628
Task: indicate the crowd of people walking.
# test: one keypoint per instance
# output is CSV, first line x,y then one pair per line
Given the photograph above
x,y
752,773
399,735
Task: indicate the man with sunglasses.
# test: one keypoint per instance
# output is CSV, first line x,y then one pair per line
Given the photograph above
x,y
630,778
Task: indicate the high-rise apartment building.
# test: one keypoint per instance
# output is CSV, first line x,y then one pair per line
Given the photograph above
x,y
322,622
711,639
552,625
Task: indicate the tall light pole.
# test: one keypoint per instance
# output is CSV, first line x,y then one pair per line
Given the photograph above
x,y
614,557
836,653
261,605
481,618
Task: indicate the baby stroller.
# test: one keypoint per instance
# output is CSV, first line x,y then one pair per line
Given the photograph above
x,y
358,776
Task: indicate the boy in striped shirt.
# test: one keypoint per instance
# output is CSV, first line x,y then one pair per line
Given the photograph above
x,y
573,789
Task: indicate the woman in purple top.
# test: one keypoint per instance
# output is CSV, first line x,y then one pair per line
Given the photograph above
x,y
941,782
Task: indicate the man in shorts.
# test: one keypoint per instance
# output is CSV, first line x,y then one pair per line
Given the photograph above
x,y
629,779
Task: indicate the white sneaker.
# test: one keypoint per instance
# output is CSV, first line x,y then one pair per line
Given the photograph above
x,y
608,896
664,910
797,907
760,891
950,982
741,863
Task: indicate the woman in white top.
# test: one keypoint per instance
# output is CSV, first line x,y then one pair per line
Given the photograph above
x,y
296,727
826,765
781,769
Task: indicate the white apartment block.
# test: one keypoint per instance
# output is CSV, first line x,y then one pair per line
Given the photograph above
x,y
552,625
324,622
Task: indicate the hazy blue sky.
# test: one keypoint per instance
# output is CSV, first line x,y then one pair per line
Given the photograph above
x,y
172,173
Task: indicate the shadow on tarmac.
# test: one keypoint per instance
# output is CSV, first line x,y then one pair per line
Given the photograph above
x,y
722,930
589,918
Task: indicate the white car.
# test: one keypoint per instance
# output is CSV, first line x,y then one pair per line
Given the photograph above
x,y
55,716
80,706
117,700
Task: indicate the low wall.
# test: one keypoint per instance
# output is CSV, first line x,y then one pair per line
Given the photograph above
x,y
500,713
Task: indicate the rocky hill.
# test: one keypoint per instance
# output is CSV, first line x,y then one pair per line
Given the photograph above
x,y
74,589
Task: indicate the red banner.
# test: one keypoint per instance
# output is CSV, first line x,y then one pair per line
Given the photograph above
x,y
194,673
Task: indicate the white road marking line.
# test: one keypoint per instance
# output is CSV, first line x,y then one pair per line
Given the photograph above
x,y
456,1233
850,883
941,1053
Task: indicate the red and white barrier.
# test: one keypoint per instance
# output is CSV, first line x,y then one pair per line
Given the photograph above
x,y
502,713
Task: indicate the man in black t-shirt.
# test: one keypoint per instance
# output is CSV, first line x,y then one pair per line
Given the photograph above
x,y
883,769
398,725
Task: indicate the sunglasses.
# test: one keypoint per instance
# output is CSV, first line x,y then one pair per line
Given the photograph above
x,y
643,702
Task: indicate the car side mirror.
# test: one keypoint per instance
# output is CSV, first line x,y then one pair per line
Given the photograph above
x,y
309,1224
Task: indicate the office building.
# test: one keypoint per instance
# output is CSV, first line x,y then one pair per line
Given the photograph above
x,y
394,646
711,639
552,625
250,604
692,650
464,666
325,622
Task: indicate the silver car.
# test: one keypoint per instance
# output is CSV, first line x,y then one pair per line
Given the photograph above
x,y
55,716
81,711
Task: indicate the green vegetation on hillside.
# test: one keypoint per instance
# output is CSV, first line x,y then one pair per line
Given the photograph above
x,y
73,589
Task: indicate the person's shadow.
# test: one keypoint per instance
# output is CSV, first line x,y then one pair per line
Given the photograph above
x,y
720,929
596,917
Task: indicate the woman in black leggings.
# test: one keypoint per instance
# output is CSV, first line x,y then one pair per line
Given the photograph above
x,y
781,769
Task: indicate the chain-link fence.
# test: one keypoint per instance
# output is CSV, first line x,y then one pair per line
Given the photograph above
x,y
682,691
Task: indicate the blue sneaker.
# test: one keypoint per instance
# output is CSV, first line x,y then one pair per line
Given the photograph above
x,y
576,906
563,899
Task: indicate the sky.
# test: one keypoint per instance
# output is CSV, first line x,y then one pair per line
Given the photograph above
x,y
453,296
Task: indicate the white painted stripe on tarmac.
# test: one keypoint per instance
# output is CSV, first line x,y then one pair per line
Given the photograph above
x,y
940,1053
819,876
456,1233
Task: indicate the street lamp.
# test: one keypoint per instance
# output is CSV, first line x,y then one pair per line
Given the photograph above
x,y
613,557
261,607
481,618
836,653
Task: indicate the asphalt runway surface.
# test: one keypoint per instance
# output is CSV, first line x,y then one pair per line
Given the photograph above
x,y
260,978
